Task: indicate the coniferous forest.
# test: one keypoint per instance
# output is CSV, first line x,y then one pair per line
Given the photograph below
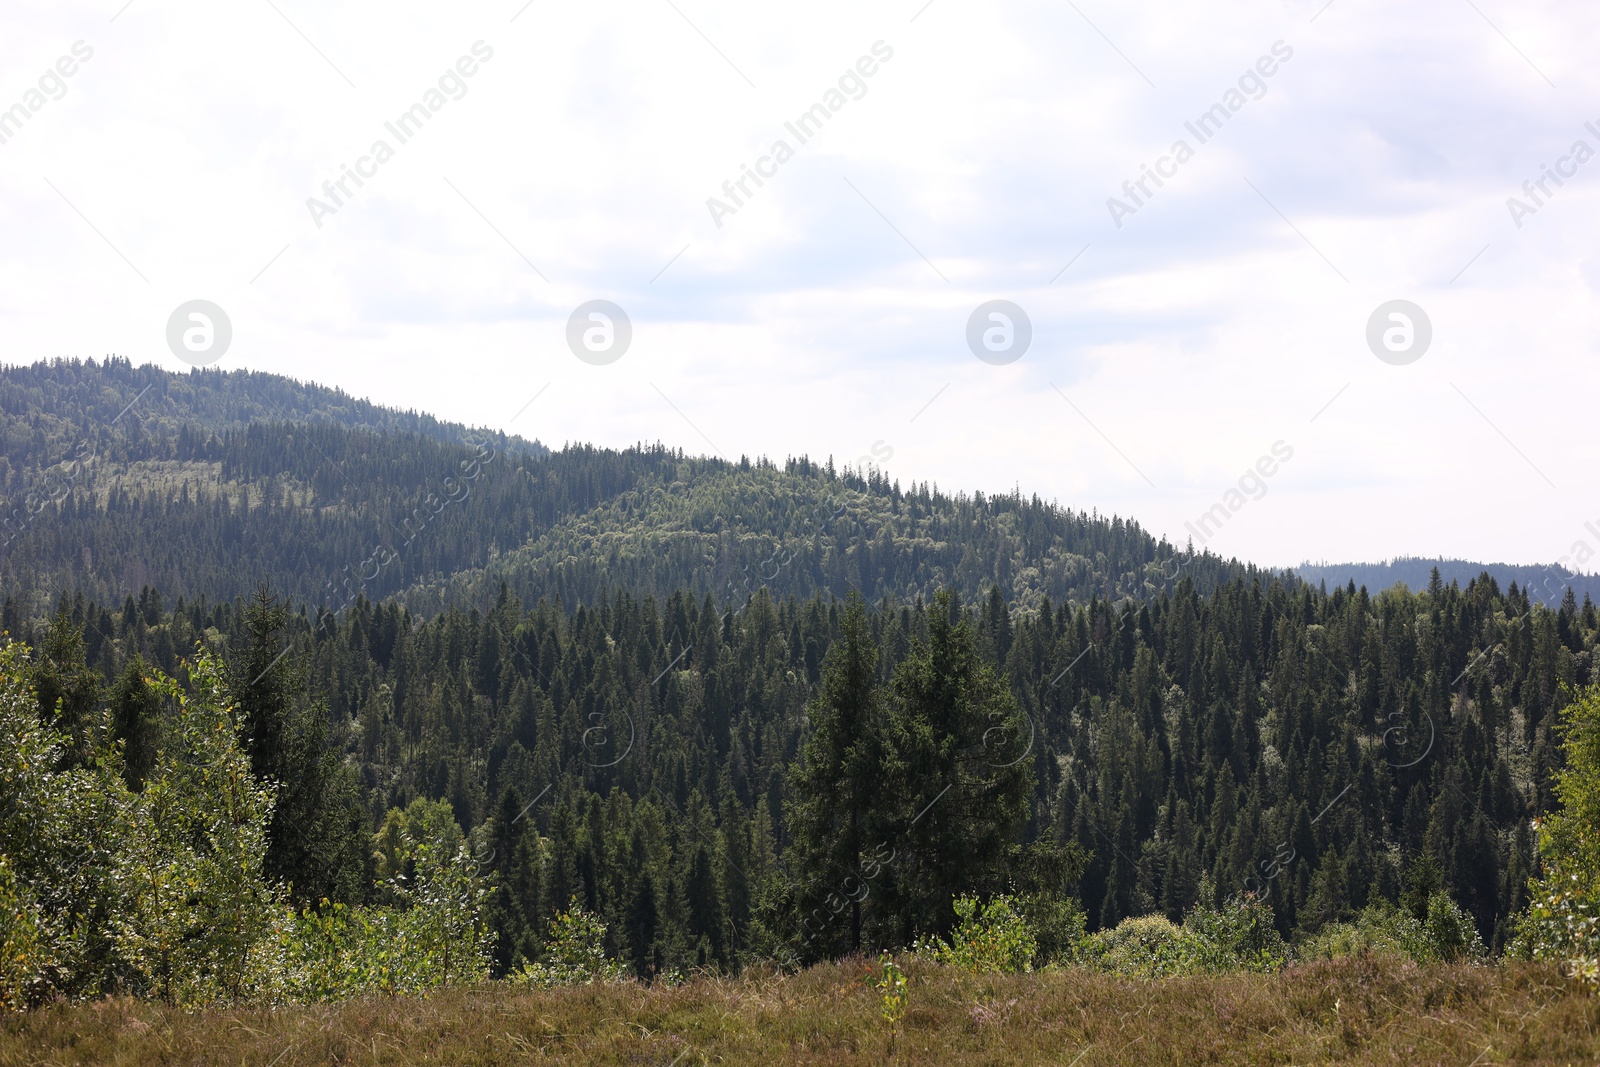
x,y
436,707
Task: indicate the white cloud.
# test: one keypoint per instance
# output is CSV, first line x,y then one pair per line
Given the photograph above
x,y
1192,338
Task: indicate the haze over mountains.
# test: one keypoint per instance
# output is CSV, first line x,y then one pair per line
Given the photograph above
x,y
1546,583
1543,583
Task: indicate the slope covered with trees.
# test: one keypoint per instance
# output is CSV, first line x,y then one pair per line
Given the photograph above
x,y
701,777
117,478
48,407
429,699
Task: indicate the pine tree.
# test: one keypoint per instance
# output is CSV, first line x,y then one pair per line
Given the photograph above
x,y
735,874
643,927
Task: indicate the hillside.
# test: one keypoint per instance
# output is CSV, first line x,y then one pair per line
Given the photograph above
x,y
729,530
49,407
201,484
1325,752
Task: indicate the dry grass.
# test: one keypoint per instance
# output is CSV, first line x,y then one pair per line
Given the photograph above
x,y
1347,1011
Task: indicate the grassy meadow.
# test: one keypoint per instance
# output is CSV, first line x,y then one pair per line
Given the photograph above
x,y
1355,1010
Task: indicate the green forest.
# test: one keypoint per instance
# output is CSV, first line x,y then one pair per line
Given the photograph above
x,y
199,485
390,706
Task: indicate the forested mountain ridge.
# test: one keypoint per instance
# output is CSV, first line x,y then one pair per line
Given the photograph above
x,y
705,527
48,406
120,478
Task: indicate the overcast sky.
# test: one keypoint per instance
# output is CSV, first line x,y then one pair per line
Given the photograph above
x,y
1199,323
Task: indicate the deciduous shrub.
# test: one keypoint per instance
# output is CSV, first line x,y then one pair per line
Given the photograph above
x,y
431,933
194,903
992,938
1150,946
1563,917
58,827
25,953
1237,936
890,983
574,953
162,891
1447,935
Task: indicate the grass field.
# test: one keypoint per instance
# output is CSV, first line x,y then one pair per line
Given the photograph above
x,y
1346,1011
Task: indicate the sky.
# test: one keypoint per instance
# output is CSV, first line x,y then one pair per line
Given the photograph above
x,y
1219,343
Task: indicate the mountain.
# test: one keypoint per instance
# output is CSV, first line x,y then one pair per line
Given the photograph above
x,y
727,530
202,484
48,406
116,477
1546,583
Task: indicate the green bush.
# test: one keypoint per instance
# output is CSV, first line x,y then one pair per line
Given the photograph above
x,y
1149,946
158,891
574,954
1058,925
340,951
25,953
1448,934
58,825
1451,933
430,932
1237,936
1563,918
889,981
1335,941
994,938
162,891
195,905
1563,923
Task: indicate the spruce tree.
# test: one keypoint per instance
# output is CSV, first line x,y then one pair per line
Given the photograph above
x,y
316,838
836,791
955,778
512,866
68,690
136,721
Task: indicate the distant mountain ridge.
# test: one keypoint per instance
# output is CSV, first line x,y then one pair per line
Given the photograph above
x,y
1546,583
